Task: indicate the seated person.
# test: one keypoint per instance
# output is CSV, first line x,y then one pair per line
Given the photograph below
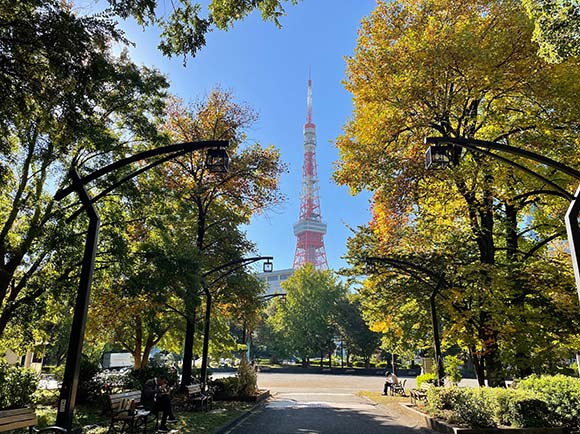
x,y
156,397
390,380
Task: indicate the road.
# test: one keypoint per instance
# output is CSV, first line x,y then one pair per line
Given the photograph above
x,y
321,404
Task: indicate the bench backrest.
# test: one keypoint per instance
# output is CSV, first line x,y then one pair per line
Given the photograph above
x,y
118,399
194,389
18,418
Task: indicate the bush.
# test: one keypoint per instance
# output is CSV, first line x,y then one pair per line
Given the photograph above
x,y
88,390
16,386
444,398
140,376
488,407
358,364
476,409
452,372
227,387
520,409
426,378
382,364
248,380
561,395
46,397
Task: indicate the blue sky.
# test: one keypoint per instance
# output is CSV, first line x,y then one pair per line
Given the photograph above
x,y
267,68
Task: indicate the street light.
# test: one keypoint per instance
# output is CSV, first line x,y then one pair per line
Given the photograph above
x,y
217,160
485,147
437,157
411,269
70,382
239,263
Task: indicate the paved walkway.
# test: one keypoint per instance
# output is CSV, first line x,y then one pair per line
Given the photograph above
x,y
320,404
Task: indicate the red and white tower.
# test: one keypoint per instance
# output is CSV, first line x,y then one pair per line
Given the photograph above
x,y
310,228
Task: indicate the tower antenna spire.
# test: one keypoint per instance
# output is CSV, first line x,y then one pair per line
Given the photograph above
x,y
310,229
309,100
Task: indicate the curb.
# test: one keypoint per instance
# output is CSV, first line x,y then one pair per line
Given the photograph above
x,y
235,422
442,427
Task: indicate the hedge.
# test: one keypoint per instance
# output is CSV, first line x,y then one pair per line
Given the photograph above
x,y
489,407
561,395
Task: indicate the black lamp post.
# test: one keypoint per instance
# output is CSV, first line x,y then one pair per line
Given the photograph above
x,y
239,263
444,147
411,269
70,382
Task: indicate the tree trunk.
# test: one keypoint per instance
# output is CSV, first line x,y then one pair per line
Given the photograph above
x,y
138,342
188,352
478,365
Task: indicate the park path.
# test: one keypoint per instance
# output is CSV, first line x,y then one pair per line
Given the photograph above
x,y
321,404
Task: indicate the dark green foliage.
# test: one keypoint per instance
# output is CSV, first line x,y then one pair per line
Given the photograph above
x,y
140,376
489,407
227,387
16,386
561,394
521,409
88,388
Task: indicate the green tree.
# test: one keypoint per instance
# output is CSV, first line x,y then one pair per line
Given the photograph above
x,y
305,320
357,337
218,204
556,27
462,69
61,110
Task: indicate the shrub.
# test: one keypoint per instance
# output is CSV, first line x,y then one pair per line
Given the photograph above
x,y
444,398
452,372
520,409
426,378
475,409
248,379
140,376
358,364
561,395
111,381
382,364
46,397
225,387
16,386
88,390
488,407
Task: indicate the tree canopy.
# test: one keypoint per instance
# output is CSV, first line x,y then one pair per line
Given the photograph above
x,y
464,69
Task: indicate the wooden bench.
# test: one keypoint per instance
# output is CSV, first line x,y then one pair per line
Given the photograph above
x,y
419,394
398,388
23,418
127,414
197,398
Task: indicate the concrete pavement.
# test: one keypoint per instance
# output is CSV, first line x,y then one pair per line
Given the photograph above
x,y
320,404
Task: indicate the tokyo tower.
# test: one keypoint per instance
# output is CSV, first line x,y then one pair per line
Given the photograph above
x,y
310,228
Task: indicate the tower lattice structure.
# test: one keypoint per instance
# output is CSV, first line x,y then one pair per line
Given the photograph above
x,y
310,228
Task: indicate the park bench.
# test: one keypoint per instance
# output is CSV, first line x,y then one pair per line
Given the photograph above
x,y
197,398
399,388
419,394
23,418
127,414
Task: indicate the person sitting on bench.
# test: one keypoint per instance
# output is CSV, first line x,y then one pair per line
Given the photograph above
x,y
156,396
390,381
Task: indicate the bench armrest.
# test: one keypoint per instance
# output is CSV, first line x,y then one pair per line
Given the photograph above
x,y
53,428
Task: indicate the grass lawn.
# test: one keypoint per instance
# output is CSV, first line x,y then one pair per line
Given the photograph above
x,y
384,400
94,421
